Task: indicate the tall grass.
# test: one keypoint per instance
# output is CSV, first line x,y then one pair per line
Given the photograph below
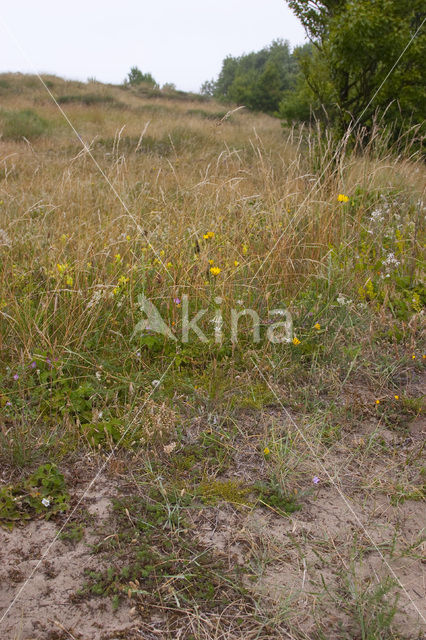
x,y
256,188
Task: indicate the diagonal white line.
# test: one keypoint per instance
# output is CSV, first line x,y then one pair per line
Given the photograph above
x,y
91,483
85,147
338,149
340,492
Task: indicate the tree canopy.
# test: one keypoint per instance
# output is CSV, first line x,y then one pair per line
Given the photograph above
x,y
368,58
135,77
258,80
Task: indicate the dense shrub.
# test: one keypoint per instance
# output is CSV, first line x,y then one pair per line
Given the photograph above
x,y
89,99
135,77
368,61
26,123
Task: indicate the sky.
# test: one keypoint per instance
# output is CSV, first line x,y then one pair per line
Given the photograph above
x,y
183,42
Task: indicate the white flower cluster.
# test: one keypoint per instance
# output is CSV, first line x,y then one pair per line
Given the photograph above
x,y
390,262
100,293
377,215
343,300
4,238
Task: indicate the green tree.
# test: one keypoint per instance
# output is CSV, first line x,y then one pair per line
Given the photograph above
x,y
208,88
258,79
310,89
135,77
357,42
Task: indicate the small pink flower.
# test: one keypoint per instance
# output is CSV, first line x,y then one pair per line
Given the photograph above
x,y
315,479
16,377
177,300
33,365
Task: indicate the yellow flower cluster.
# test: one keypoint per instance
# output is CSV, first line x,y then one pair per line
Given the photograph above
x,y
215,271
342,198
208,235
62,268
122,280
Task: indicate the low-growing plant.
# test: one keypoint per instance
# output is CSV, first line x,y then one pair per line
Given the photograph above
x,y
43,494
271,494
25,123
153,547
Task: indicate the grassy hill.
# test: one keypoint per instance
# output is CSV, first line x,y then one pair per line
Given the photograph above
x,y
244,486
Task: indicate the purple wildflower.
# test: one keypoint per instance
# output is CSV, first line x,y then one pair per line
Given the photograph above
x,y
315,479
33,365
177,300
16,377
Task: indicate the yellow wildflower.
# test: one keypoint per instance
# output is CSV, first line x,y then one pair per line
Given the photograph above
x,y
396,397
69,281
208,235
377,401
413,356
245,249
342,198
296,341
266,451
215,271
62,267
122,280
169,265
117,257
317,326
211,261
236,263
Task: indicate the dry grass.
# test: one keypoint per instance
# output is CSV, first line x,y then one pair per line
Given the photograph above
x,y
86,228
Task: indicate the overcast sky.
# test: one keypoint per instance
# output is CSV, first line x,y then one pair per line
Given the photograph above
x,y
177,41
